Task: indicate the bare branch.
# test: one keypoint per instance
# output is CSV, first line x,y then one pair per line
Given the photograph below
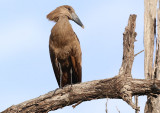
x,y
136,102
77,104
84,92
138,53
128,47
106,106
117,109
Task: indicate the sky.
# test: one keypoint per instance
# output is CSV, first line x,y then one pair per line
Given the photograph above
x,y
25,68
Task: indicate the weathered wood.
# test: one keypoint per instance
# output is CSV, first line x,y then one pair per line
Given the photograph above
x,y
152,104
136,102
115,87
149,30
157,59
128,47
129,36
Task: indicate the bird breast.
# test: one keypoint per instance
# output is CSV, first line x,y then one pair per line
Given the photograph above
x,y
62,39
62,33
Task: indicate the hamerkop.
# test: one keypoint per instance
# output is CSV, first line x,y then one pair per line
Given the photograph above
x,y
64,46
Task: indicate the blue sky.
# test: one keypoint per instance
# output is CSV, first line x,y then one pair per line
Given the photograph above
x,y
25,67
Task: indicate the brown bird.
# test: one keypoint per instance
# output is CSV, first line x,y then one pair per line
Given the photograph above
x,y
64,46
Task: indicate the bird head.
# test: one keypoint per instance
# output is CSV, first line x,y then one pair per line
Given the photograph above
x,y
67,11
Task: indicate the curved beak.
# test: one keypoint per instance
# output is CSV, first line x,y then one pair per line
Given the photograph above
x,y
77,20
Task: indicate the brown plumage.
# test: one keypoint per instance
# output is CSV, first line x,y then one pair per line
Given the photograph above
x,y
64,46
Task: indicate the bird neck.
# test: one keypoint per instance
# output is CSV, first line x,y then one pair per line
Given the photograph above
x,y
63,22
62,32
63,27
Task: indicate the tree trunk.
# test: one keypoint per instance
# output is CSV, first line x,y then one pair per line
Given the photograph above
x,y
149,22
152,71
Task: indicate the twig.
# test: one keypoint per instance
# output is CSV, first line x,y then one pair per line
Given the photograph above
x,y
106,106
136,102
138,53
77,104
117,109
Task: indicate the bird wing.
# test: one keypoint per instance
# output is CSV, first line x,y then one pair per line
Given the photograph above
x,y
55,65
77,70
76,62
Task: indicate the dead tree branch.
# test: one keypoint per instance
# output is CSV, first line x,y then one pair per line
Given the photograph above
x,y
121,86
98,89
128,47
136,102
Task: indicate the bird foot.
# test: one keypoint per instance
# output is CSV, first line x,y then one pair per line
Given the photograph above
x,y
56,90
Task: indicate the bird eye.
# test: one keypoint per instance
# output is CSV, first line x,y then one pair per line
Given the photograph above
x,y
69,9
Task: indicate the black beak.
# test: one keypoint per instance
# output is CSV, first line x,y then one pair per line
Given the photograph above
x,y
77,20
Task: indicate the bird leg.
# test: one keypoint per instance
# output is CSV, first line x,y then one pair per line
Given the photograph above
x,y
71,75
60,74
